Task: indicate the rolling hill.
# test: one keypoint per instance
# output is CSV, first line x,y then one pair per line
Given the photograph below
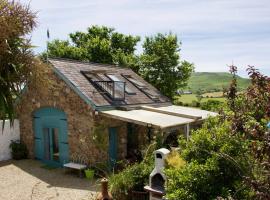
x,y
213,81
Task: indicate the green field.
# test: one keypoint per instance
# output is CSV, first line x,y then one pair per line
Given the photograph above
x,y
188,98
213,82
213,94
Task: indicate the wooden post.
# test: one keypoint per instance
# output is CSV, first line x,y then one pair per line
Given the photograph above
x,y
187,128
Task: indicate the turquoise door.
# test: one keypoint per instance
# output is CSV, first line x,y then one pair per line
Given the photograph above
x,y
51,141
112,146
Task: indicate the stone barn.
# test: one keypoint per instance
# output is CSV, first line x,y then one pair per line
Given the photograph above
x,y
97,113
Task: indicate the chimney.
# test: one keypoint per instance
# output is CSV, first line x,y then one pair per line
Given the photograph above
x,y
157,177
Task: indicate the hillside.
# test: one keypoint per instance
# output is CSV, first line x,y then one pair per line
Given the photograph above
x,y
213,81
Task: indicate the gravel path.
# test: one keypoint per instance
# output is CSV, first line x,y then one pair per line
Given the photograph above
x,y
30,180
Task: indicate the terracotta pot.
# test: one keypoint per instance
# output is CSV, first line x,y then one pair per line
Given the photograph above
x,y
104,194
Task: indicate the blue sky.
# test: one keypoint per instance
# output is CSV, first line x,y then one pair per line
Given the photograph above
x,y
214,33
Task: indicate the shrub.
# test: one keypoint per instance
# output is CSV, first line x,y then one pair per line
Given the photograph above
x,y
215,165
249,114
174,160
133,177
195,104
18,150
186,104
212,105
178,102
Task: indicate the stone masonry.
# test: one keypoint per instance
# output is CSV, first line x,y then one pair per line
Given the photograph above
x,y
81,121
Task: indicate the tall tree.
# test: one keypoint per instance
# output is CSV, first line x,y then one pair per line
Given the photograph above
x,y
160,64
99,44
250,115
229,157
16,57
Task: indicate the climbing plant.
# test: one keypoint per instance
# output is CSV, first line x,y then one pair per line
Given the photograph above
x,y
100,137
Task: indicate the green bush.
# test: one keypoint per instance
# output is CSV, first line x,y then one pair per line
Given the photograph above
x,y
195,103
178,102
186,104
212,105
216,164
18,150
133,177
174,160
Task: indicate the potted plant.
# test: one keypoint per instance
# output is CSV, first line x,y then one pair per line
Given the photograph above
x,y
89,173
18,150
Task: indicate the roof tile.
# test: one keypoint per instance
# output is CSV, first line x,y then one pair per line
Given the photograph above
x,y
72,71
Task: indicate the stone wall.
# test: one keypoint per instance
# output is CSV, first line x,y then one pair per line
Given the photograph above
x,y
81,121
121,133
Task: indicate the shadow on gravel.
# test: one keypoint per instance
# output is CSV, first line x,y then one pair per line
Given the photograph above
x,y
54,177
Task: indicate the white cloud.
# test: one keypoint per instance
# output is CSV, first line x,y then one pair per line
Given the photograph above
x,y
213,32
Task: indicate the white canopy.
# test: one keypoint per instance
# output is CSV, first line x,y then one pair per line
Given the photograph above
x,y
147,118
160,117
187,112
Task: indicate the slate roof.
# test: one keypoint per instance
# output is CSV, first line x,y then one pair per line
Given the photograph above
x,y
70,72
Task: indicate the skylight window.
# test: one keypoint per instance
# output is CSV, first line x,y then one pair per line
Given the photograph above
x,y
135,82
116,79
92,76
113,89
152,94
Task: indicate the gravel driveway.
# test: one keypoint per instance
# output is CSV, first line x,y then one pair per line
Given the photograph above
x,y
31,180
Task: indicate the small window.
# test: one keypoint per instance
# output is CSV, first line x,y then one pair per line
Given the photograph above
x,y
92,76
151,94
113,89
135,82
115,78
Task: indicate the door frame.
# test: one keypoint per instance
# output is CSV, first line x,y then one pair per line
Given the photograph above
x,y
49,117
51,162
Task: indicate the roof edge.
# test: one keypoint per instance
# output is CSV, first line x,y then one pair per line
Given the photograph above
x,y
75,89
89,63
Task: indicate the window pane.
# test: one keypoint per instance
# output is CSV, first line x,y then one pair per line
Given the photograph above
x,y
115,78
134,81
93,76
152,94
119,90
55,144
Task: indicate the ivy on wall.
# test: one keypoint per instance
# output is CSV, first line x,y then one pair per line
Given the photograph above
x,y
100,137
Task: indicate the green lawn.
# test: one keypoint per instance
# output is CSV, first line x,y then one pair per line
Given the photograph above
x,y
213,81
188,98
213,94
